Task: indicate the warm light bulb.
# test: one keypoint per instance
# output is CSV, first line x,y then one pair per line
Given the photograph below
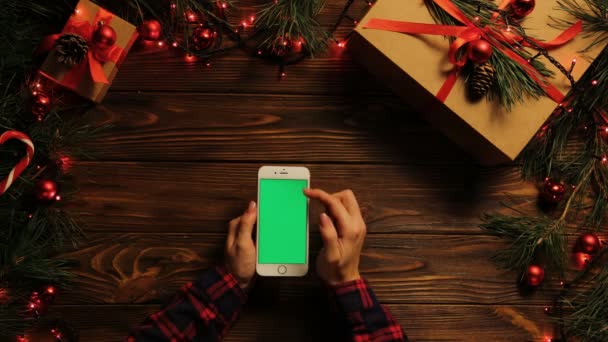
x,y
594,82
57,198
161,43
252,18
174,44
341,44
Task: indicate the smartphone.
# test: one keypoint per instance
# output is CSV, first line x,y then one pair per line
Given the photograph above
x,y
282,233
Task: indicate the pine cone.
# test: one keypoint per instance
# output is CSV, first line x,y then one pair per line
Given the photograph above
x,y
481,80
71,49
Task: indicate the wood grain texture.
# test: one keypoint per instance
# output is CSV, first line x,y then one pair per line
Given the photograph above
x,y
402,269
330,72
228,127
288,322
182,158
195,197
156,70
152,69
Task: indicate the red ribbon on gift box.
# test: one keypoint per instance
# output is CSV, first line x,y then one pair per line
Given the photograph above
x,y
96,56
470,32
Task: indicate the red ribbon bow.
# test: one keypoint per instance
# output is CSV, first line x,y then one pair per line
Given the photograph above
x,y
96,56
470,32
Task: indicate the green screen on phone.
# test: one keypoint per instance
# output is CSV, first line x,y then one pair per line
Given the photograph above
x,y
282,221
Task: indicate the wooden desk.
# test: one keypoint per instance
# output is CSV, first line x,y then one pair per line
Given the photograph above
x,y
181,160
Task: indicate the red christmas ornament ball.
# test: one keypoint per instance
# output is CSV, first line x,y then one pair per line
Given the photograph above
x,y
41,105
588,243
203,38
552,191
479,51
534,275
104,36
522,8
45,190
150,30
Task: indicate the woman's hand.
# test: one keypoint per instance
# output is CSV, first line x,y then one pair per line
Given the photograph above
x,y
343,234
240,251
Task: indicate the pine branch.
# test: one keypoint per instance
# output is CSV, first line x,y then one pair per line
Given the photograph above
x,y
593,13
533,237
588,310
529,237
298,22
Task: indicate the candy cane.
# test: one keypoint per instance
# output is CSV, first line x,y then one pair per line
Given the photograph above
x,y
22,164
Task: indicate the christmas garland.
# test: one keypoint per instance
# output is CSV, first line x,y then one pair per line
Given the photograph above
x,y
568,158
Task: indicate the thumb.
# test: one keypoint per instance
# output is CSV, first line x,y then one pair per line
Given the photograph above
x,y
246,224
329,235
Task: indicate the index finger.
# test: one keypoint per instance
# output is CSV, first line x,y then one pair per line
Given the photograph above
x,y
350,201
332,203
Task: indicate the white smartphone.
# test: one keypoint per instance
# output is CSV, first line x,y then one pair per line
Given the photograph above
x,y
282,233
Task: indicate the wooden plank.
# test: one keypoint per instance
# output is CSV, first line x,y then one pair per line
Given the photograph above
x,y
196,127
165,69
303,321
162,69
197,197
403,269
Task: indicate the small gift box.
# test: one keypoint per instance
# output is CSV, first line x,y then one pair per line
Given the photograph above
x,y
401,44
87,53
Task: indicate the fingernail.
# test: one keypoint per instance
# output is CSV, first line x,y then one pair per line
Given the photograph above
x,y
324,218
251,206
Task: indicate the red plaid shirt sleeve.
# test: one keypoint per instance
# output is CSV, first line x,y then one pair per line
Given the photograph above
x,y
361,316
202,311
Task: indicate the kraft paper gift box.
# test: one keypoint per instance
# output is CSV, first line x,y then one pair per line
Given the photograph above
x,y
416,66
91,78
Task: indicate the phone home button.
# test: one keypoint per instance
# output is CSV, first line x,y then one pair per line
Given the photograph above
x,y
282,269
